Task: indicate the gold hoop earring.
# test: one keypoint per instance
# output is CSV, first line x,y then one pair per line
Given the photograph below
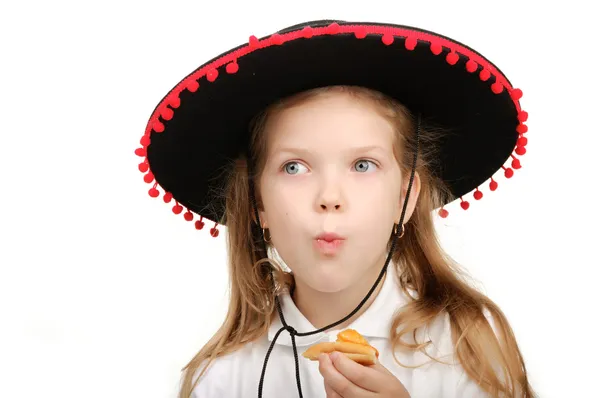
x,y
264,233
396,230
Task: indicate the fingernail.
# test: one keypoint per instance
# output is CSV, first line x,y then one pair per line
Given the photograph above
x,y
334,355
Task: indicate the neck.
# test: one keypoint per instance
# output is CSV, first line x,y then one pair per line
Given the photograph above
x,y
322,309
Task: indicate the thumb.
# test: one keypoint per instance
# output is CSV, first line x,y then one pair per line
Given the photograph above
x,y
380,368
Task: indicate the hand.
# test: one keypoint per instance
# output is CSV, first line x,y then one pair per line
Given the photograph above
x,y
345,378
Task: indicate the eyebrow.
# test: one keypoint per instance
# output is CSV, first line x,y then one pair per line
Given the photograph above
x,y
306,152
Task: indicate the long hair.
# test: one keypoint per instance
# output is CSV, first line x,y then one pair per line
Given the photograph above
x,y
490,356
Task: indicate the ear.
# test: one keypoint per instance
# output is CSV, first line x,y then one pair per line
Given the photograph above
x,y
412,200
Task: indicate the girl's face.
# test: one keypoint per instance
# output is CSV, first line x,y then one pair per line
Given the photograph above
x,y
331,190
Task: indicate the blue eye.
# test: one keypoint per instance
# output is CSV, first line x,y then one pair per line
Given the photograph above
x,y
293,167
363,166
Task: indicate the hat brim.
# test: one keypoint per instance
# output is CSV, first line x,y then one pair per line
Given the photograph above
x,y
201,125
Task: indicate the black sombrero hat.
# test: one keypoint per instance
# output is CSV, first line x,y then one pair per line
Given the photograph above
x,y
202,123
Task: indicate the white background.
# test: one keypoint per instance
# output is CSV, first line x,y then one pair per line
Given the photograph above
x,y
105,293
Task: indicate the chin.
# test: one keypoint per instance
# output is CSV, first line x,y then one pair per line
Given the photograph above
x,y
327,279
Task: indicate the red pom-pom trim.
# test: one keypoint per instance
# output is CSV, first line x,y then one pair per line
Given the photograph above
x,y
410,43
153,192
168,196
522,141
523,116
148,178
214,232
212,75
177,209
360,32
436,48
478,194
307,32
143,167
484,75
192,86
188,216
452,58
471,66
232,67
140,152
333,29
145,140
199,224
158,126
443,213
493,185
277,39
516,94
167,113
387,39
253,41
497,88
508,172
520,150
522,128
516,163
174,101
464,204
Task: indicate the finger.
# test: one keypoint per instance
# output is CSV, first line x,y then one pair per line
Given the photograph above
x,y
336,381
363,376
380,368
330,393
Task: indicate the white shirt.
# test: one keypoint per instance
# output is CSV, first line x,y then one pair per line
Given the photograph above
x,y
237,374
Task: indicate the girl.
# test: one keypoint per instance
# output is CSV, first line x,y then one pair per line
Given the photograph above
x,y
325,149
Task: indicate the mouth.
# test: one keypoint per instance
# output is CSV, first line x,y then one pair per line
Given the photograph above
x,y
329,243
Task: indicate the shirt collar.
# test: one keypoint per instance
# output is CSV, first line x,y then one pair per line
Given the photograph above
x,y
376,321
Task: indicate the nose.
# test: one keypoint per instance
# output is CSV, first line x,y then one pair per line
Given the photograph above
x,y
330,197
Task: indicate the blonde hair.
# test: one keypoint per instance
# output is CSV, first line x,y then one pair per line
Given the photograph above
x,y
490,357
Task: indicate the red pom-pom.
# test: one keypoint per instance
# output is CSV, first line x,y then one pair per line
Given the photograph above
x,y
471,66
464,204
232,67
387,39
145,140
307,32
253,41
140,152
520,150
277,39
192,85
522,141
478,194
174,101
410,43
167,113
522,128
188,216
153,192
493,185
158,126
497,88
212,75
148,178
436,48
214,232
516,94
168,196
508,172
516,164
143,167
360,32
333,29
523,116
452,58
443,213
199,224
177,209
484,75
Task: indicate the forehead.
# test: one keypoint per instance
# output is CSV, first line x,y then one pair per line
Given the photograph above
x,y
328,121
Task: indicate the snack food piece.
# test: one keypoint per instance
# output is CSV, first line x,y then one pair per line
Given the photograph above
x,y
350,343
